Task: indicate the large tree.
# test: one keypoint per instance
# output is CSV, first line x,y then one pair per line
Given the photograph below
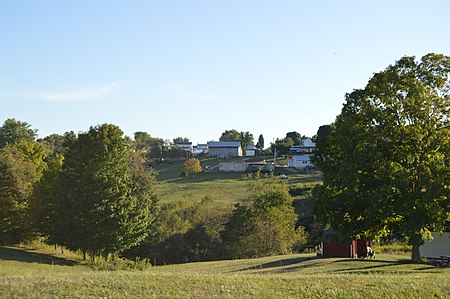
x,y
12,131
21,167
264,224
106,195
230,135
386,161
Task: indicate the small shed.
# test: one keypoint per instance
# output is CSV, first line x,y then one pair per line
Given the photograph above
x,y
333,246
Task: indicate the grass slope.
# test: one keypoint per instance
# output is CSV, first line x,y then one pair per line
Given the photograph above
x,y
221,187
291,276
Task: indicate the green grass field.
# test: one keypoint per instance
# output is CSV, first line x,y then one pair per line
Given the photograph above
x,y
29,274
222,187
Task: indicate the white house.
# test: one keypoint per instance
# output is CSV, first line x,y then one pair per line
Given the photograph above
x,y
300,162
307,146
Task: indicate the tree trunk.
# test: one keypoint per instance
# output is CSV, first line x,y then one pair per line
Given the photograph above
x,y
415,253
84,255
416,241
62,250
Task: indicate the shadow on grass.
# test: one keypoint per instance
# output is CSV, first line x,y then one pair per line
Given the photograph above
x,y
23,255
323,264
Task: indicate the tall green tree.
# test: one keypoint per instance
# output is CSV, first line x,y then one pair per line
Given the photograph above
x,y
386,161
12,131
105,195
246,139
21,167
260,143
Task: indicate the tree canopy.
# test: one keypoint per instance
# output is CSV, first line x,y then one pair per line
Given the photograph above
x,y
106,197
295,136
385,162
12,131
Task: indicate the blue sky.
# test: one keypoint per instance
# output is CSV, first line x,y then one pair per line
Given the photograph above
x,y
197,68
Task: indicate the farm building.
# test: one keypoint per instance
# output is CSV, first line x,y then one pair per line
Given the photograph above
x,y
307,146
225,149
241,166
233,166
185,146
300,162
250,151
436,247
332,246
200,149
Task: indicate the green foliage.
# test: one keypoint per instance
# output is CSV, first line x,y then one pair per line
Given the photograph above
x,y
59,143
105,198
282,145
260,143
180,139
230,135
264,225
385,163
192,165
295,136
12,131
187,230
21,167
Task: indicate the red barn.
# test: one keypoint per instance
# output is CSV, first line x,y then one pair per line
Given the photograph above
x,y
332,246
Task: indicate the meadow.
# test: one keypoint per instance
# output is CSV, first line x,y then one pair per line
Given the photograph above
x,y
225,188
31,274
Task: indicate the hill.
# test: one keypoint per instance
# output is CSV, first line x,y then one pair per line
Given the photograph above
x,y
222,187
22,275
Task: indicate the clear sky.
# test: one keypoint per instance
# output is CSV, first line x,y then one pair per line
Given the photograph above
x,y
197,68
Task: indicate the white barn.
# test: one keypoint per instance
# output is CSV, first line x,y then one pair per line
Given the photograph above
x,y
225,149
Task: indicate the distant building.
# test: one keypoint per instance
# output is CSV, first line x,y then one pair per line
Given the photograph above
x,y
200,149
300,162
308,146
225,149
241,166
185,146
250,151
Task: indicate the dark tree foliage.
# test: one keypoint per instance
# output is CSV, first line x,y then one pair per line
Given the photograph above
x,y
282,145
260,143
385,162
295,136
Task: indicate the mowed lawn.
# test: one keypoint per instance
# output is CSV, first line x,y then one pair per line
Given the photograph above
x,y
290,276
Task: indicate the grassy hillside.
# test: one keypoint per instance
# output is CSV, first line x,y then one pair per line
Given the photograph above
x,y
23,275
222,187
